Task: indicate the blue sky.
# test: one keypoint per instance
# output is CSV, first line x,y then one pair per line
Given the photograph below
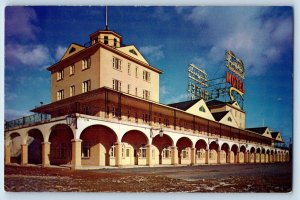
x,y
170,38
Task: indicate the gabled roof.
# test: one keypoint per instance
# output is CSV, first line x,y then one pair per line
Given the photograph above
x,y
132,51
72,49
184,105
260,130
274,134
215,102
219,115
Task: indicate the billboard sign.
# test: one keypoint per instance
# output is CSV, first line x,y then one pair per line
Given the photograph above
x,y
234,64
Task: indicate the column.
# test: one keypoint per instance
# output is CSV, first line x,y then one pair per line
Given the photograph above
x,y
174,158
149,155
206,156
24,154
46,154
246,157
7,154
193,156
118,154
76,153
218,157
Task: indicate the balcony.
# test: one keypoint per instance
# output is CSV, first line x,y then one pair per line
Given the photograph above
x,y
27,121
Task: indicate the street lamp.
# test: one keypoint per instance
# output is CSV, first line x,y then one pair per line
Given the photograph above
x,y
71,119
161,132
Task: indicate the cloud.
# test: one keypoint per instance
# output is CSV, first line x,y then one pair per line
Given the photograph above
x,y
163,90
20,22
154,52
11,114
29,55
257,40
60,51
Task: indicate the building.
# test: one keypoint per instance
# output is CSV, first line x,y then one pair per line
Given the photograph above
x,y
105,111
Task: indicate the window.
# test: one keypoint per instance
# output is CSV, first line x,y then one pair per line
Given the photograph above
x,y
229,119
60,94
72,69
60,75
142,151
133,51
86,63
86,86
127,152
185,153
136,72
72,90
136,91
114,112
166,153
146,94
146,76
117,63
128,89
117,85
115,42
112,151
129,70
85,149
202,109
105,39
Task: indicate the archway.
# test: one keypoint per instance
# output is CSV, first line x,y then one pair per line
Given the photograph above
x,y
252,155
234,154
184,146
135,141
243,155
61,145
201,147
15,148
268,156
225,156
213,152
162,149
257,157
97,146
262,156
34,142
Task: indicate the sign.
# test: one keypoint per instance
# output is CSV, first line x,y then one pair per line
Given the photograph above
x,y
234,64
197,83
235,82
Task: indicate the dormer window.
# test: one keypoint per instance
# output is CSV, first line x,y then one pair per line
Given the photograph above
x,y
72,50
133,51
229,119
202,109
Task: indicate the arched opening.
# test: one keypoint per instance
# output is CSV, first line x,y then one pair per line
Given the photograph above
x,y
162,149
60,145
15,148
184,146
224,154
242,154
257,158
135,141
233,153
213,152
262,156
34,142
201,147
97,146
252,155
268,156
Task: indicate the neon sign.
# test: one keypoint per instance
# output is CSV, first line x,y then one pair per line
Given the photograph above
x,y
234,64
235,82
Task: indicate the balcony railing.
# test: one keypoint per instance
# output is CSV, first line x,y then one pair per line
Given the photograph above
x,y
27,120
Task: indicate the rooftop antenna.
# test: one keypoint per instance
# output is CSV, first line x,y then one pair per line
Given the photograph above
x,y
106,18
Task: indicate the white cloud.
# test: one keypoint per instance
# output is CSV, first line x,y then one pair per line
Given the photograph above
x,y
154,52
29,55
60,51
163,90
257,41
11,114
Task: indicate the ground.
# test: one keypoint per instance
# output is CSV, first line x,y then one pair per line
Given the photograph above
x,y
204,178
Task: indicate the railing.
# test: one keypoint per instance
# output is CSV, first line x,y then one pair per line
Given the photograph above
x,y
27,120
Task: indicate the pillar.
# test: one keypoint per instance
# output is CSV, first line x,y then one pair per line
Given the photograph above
x,y
149,155
7,154
76,153
118,154
246,157
46,154
24,154
238,157
193,156
206,156
174,158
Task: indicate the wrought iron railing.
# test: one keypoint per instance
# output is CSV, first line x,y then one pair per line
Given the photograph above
x,y
27,120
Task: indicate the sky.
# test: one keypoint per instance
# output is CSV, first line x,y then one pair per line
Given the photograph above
x,y
170,38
